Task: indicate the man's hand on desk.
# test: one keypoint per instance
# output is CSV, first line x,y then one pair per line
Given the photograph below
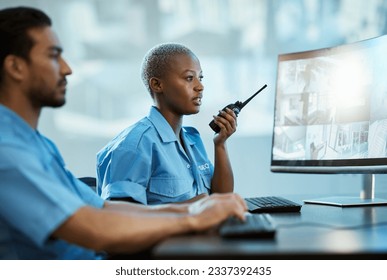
x,y
212,210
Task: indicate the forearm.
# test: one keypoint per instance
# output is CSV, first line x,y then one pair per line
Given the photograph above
x,y
139,208
116,231
223,178
130,233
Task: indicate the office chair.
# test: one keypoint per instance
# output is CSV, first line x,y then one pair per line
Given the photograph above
x,y
90,181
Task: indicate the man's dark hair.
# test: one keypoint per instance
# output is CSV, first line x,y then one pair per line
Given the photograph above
x,y
14,24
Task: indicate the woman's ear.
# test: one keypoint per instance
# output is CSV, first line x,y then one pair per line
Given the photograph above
x,y
14,67
155,85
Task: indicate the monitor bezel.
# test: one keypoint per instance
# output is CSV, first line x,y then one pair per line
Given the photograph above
x,y
360,165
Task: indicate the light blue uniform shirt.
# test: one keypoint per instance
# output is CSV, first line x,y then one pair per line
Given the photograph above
x,y
147,163
37,194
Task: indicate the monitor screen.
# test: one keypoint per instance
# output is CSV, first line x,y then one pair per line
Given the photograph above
x,y
331,110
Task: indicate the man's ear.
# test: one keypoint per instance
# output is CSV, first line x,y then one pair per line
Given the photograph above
x,y
14,66
155,85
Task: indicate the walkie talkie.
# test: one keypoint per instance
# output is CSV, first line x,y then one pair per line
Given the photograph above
x,y
236,107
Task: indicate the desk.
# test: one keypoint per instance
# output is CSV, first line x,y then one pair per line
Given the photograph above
x,y
317,232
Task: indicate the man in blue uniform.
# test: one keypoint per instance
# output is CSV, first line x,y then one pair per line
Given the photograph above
x,y
45,212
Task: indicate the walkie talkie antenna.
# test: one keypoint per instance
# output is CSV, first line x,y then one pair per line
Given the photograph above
x,y
248,100
235,107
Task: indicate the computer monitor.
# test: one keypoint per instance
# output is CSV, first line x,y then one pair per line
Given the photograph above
x,y
331,114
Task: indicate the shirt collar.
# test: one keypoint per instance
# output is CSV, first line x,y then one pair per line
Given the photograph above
x,y
164,129
25,134
16,123
187,140
161,125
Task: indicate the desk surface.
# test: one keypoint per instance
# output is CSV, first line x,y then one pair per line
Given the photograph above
x,y
318,231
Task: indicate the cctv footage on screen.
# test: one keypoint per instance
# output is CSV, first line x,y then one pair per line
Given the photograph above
x,y
331,105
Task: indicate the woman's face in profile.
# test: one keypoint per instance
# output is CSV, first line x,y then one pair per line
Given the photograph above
x,y
182,88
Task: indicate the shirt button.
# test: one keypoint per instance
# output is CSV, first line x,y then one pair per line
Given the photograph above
x,y
188,166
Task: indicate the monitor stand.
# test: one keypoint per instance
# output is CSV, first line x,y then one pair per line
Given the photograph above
x,y
367,196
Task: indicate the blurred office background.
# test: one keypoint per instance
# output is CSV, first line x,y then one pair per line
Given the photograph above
x,y
237,42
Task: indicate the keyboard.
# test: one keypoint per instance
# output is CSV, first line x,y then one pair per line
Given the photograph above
x,y
271,204
255,226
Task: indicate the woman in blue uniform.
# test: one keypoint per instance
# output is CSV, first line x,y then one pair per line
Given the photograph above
x,y
158,160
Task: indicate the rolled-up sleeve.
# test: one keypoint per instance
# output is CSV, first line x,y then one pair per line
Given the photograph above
x,y
126,170
125,189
